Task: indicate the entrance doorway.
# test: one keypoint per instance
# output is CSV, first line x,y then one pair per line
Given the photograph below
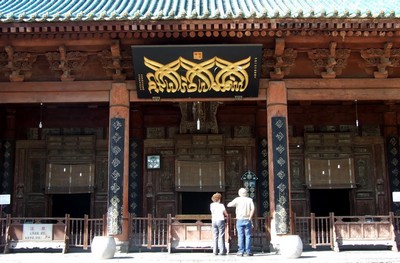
x,y
76,205
196,202
324,201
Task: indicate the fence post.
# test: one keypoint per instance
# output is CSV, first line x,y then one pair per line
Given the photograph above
x,y
149,231
104,224
130,216
313,233
85,232
293,226
7,233
227,234
332,229
393,231
169,237
268,228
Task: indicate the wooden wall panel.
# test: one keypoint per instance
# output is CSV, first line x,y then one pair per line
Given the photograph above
x,y
36,205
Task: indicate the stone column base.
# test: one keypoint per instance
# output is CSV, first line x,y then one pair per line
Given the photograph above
x,y
290,246
103,247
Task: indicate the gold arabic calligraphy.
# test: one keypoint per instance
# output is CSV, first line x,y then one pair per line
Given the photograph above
x,y
199,78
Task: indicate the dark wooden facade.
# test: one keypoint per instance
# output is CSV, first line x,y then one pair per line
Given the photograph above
x,y
334,72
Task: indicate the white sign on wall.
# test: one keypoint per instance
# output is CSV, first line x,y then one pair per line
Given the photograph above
x,y
5,199
38,232
396,196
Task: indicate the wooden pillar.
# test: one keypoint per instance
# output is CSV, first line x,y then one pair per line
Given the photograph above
x,y
117,207
390,128
278,158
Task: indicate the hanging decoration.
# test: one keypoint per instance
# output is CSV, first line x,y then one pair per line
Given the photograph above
x,y
41,116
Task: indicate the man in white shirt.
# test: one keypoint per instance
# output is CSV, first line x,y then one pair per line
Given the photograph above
x,y
244,213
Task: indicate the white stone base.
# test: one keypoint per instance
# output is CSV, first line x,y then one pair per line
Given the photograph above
x,y
290,246
103,247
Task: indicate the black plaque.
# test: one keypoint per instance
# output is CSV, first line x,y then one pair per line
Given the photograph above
x,y
281,176
197,71
115,176
393,166
7,151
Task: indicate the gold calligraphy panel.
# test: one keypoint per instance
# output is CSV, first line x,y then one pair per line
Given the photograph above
x,y
197,71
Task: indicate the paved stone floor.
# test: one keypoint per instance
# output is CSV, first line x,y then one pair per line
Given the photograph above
x,y
347,256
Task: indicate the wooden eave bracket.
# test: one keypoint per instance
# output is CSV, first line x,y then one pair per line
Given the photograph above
x,y
17,65
66,62
280,60
116,62
329,62
381,59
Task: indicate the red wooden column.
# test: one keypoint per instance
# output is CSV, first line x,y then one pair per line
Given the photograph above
x,y
390,124
118,162
278,159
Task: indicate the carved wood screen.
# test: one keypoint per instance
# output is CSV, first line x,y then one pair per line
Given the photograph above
x,y
70,178
329,161
199,176
330,173
70,166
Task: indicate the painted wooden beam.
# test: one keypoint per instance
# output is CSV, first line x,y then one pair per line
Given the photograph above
x,y
297,89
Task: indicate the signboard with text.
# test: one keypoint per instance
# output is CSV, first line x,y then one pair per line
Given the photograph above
x,y
197,71
37,232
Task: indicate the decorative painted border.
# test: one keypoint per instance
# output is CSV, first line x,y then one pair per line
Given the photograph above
x,y
281,175
7,151
135,166
115,176
263,175
392,147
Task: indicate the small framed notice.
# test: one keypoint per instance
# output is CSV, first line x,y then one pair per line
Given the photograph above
x,y
38,232
5,199
396,196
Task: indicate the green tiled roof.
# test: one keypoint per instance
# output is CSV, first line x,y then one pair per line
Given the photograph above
x,y
119,10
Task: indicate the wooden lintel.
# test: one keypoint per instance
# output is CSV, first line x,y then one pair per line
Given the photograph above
x,y
56,92
342,83
298,90
343,94
343,89
55,97
70,86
